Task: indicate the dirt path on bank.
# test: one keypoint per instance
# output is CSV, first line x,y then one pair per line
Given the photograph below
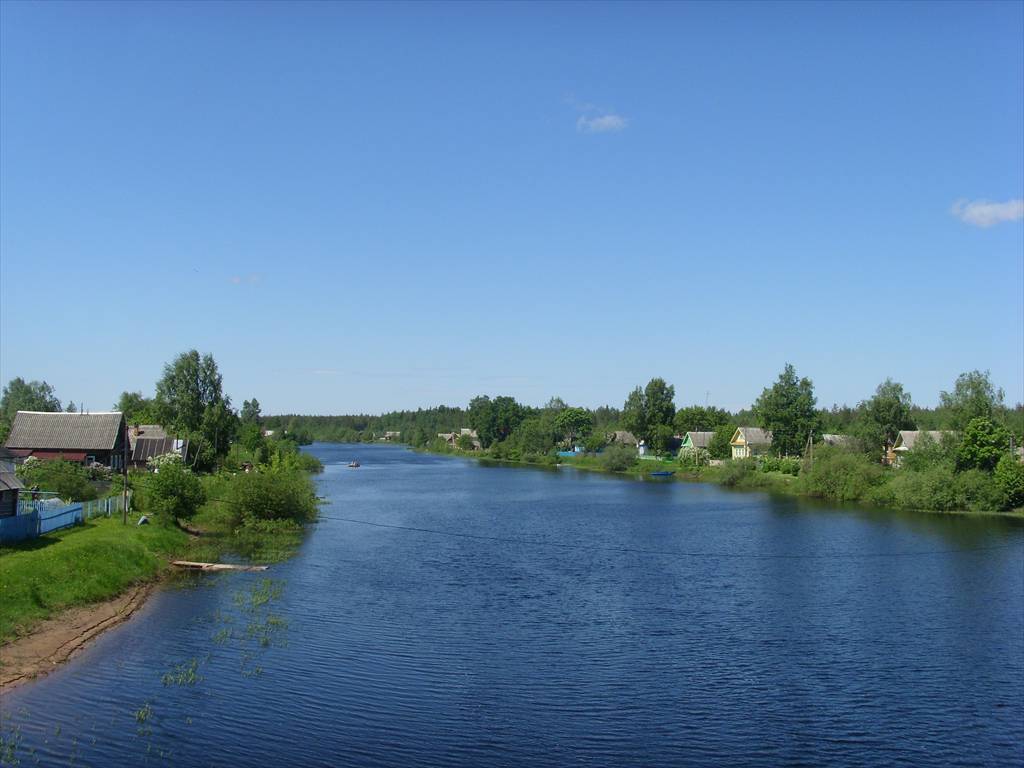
x,y
55,640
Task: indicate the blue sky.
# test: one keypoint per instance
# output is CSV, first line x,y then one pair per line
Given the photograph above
x,y
358,208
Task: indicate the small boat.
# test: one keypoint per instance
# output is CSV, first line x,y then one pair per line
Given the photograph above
x,y
663,473
353,464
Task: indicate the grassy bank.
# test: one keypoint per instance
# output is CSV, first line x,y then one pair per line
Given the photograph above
x,y
257,517
77,566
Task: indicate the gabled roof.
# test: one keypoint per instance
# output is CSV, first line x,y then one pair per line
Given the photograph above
x,y
144,430
622,436
146,448
700,439
907,438
10,482
752,436
66,431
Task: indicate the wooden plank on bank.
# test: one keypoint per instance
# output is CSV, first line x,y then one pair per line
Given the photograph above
x,y
191,566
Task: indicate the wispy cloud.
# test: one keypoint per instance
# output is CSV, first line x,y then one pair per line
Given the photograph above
x,y
610,123
982,213
595,119
244,279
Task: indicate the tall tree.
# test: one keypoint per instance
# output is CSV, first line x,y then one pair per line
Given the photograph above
x,y
660,406
136,408
190,399
698,418
973,397
71,407
634,413
787,409
572,423
250,413
20,395
883,416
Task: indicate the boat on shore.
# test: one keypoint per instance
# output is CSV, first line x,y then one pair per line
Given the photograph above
x,y
663,473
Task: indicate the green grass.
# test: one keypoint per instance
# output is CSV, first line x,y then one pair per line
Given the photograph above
x,y
77,566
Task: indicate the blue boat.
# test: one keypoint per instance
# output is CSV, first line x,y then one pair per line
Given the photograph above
x,y
662,474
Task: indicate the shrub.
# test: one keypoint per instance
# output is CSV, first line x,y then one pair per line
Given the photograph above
x,y
1009,477
280,494
840,475
67,480
784,464
173,491
617,458
736,472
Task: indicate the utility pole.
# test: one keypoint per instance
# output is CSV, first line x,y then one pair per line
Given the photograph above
x,y
124,477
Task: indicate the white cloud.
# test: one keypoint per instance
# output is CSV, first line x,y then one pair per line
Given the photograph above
x,y
982,213
601,123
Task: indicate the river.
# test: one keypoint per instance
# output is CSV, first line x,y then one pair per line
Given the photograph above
x,y
448,613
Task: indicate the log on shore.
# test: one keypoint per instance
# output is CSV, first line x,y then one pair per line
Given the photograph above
x,y
191,566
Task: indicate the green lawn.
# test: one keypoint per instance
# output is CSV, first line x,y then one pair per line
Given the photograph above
x,y
79,565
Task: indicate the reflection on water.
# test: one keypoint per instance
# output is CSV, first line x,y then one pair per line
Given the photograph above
x,y
512,616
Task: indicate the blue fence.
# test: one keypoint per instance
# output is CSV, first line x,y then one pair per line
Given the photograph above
x,y
19,527
36,517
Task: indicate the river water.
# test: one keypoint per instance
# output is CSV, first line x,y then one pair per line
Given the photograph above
x,y
443,612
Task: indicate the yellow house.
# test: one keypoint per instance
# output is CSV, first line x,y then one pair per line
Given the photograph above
x,y
750,441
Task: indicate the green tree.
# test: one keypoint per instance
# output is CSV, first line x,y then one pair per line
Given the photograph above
x,y
572,423
494,420
136,408
634,413
787,409
883,416
1009,478
719,447
20,395
173,491
982,444
464,443
973,397
190,400
250,413
535,435
659,406
71,407
698,418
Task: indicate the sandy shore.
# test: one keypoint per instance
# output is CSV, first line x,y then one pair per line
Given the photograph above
x,y
55,640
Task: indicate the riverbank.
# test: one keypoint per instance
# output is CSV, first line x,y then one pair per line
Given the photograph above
x,y
734,475
59,591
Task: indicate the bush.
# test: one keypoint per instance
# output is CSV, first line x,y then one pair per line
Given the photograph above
x,y
982,444
173,491
67,480
1009,478
280,494
617,458
840,475
784,464
737,472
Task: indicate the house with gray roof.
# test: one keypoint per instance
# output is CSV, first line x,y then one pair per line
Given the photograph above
x,y
907,439
82,438
748,442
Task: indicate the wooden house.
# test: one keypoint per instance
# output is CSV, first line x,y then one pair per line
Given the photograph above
x,y
83,438
907,439
748,442
10,485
